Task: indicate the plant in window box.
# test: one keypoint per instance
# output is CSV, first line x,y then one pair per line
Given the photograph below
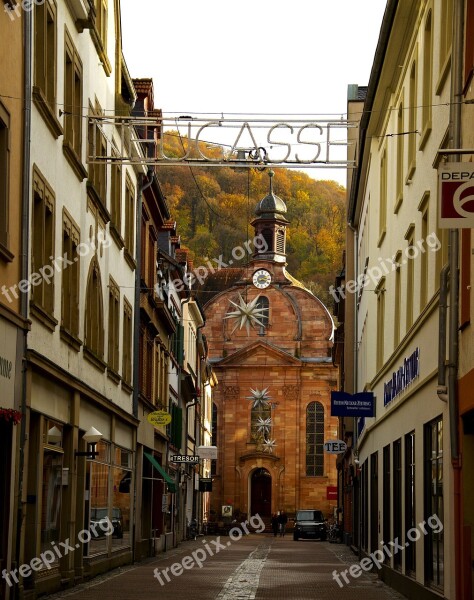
x,y
10,415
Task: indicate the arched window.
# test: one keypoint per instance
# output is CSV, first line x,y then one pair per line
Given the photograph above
x,y
267,234
263,302
315,439
94,317
264,413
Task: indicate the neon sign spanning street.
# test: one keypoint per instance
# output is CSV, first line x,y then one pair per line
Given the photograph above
x,y
254,143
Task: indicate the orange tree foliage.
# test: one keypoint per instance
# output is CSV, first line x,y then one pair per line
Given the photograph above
x,y
213,207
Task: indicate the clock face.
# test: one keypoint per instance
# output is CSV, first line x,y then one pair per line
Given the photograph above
x,y
261,279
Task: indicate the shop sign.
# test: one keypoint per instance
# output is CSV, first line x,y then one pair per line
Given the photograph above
x,y
184,458
402,377
331,492
158,418
8,341
205,484
207,452
456,196
335,447
352,405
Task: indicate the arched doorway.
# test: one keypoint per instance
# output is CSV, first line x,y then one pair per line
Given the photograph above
x,y
261,493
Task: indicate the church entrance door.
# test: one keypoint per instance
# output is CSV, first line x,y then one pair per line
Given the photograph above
x,y
261,493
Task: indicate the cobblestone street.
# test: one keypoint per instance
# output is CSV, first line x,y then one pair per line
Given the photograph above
x,y
258,566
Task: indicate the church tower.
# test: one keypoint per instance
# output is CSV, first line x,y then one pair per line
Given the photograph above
x,y
271,224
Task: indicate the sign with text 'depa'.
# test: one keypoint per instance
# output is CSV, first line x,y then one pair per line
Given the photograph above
x,y
456,196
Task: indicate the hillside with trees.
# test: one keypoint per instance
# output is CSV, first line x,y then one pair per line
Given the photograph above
x,y
214,206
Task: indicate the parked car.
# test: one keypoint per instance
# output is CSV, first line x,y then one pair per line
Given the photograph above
x,y
309,523
99,516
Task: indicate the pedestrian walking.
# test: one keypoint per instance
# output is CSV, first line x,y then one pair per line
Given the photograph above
x,y
275,524
282,521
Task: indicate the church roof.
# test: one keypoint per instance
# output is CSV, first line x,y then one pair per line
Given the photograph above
x,y
219,281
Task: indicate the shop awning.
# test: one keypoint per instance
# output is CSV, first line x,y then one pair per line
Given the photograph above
x,y
162,472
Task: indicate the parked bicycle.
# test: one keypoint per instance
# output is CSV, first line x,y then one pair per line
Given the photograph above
x,y
334,533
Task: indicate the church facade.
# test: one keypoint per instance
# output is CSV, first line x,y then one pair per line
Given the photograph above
x,y
270,343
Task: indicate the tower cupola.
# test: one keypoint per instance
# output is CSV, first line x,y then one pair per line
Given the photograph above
x,y
270,224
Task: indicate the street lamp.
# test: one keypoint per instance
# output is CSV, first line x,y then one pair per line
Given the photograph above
x,y
91,437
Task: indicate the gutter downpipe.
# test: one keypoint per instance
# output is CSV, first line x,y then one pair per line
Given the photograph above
x,y
443,310
455,125
25,217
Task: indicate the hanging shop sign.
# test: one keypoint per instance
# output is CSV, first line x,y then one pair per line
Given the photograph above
x,y
184,458
207,452
456,196
335,447
158,418
402,377
352,405
205,484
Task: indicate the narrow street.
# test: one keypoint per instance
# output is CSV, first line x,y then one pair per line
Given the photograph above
x,y
257,566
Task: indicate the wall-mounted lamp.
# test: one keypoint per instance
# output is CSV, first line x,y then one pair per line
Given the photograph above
x,y
91,437
54,435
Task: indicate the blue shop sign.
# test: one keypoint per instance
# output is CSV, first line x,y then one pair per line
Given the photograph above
x,y
352,405
402,378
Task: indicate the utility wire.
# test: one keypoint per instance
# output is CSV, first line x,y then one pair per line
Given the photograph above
x,y
130,118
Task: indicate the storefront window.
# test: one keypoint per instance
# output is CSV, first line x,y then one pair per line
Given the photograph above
x,y
108,501
52,486
122,479
99,499
434,505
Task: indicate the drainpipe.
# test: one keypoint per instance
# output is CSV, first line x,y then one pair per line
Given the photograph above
x,y
25,217
443,307
355,436
455,126
185,427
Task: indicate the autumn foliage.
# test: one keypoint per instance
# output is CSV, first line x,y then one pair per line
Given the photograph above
x,y
214,206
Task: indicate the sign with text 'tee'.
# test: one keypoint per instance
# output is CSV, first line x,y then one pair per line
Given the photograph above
x,y
456,196
335,446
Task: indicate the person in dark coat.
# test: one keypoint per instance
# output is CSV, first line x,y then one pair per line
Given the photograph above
x,y
282,521
275,524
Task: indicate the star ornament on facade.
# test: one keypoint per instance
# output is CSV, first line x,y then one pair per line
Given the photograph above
x,y
248,314
269,445
260,398
264,425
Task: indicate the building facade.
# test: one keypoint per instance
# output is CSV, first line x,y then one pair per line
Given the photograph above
x,y
82,261
275,375
464,523
404,467
13,323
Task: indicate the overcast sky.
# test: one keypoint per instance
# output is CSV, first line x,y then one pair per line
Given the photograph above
x,y
253,56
